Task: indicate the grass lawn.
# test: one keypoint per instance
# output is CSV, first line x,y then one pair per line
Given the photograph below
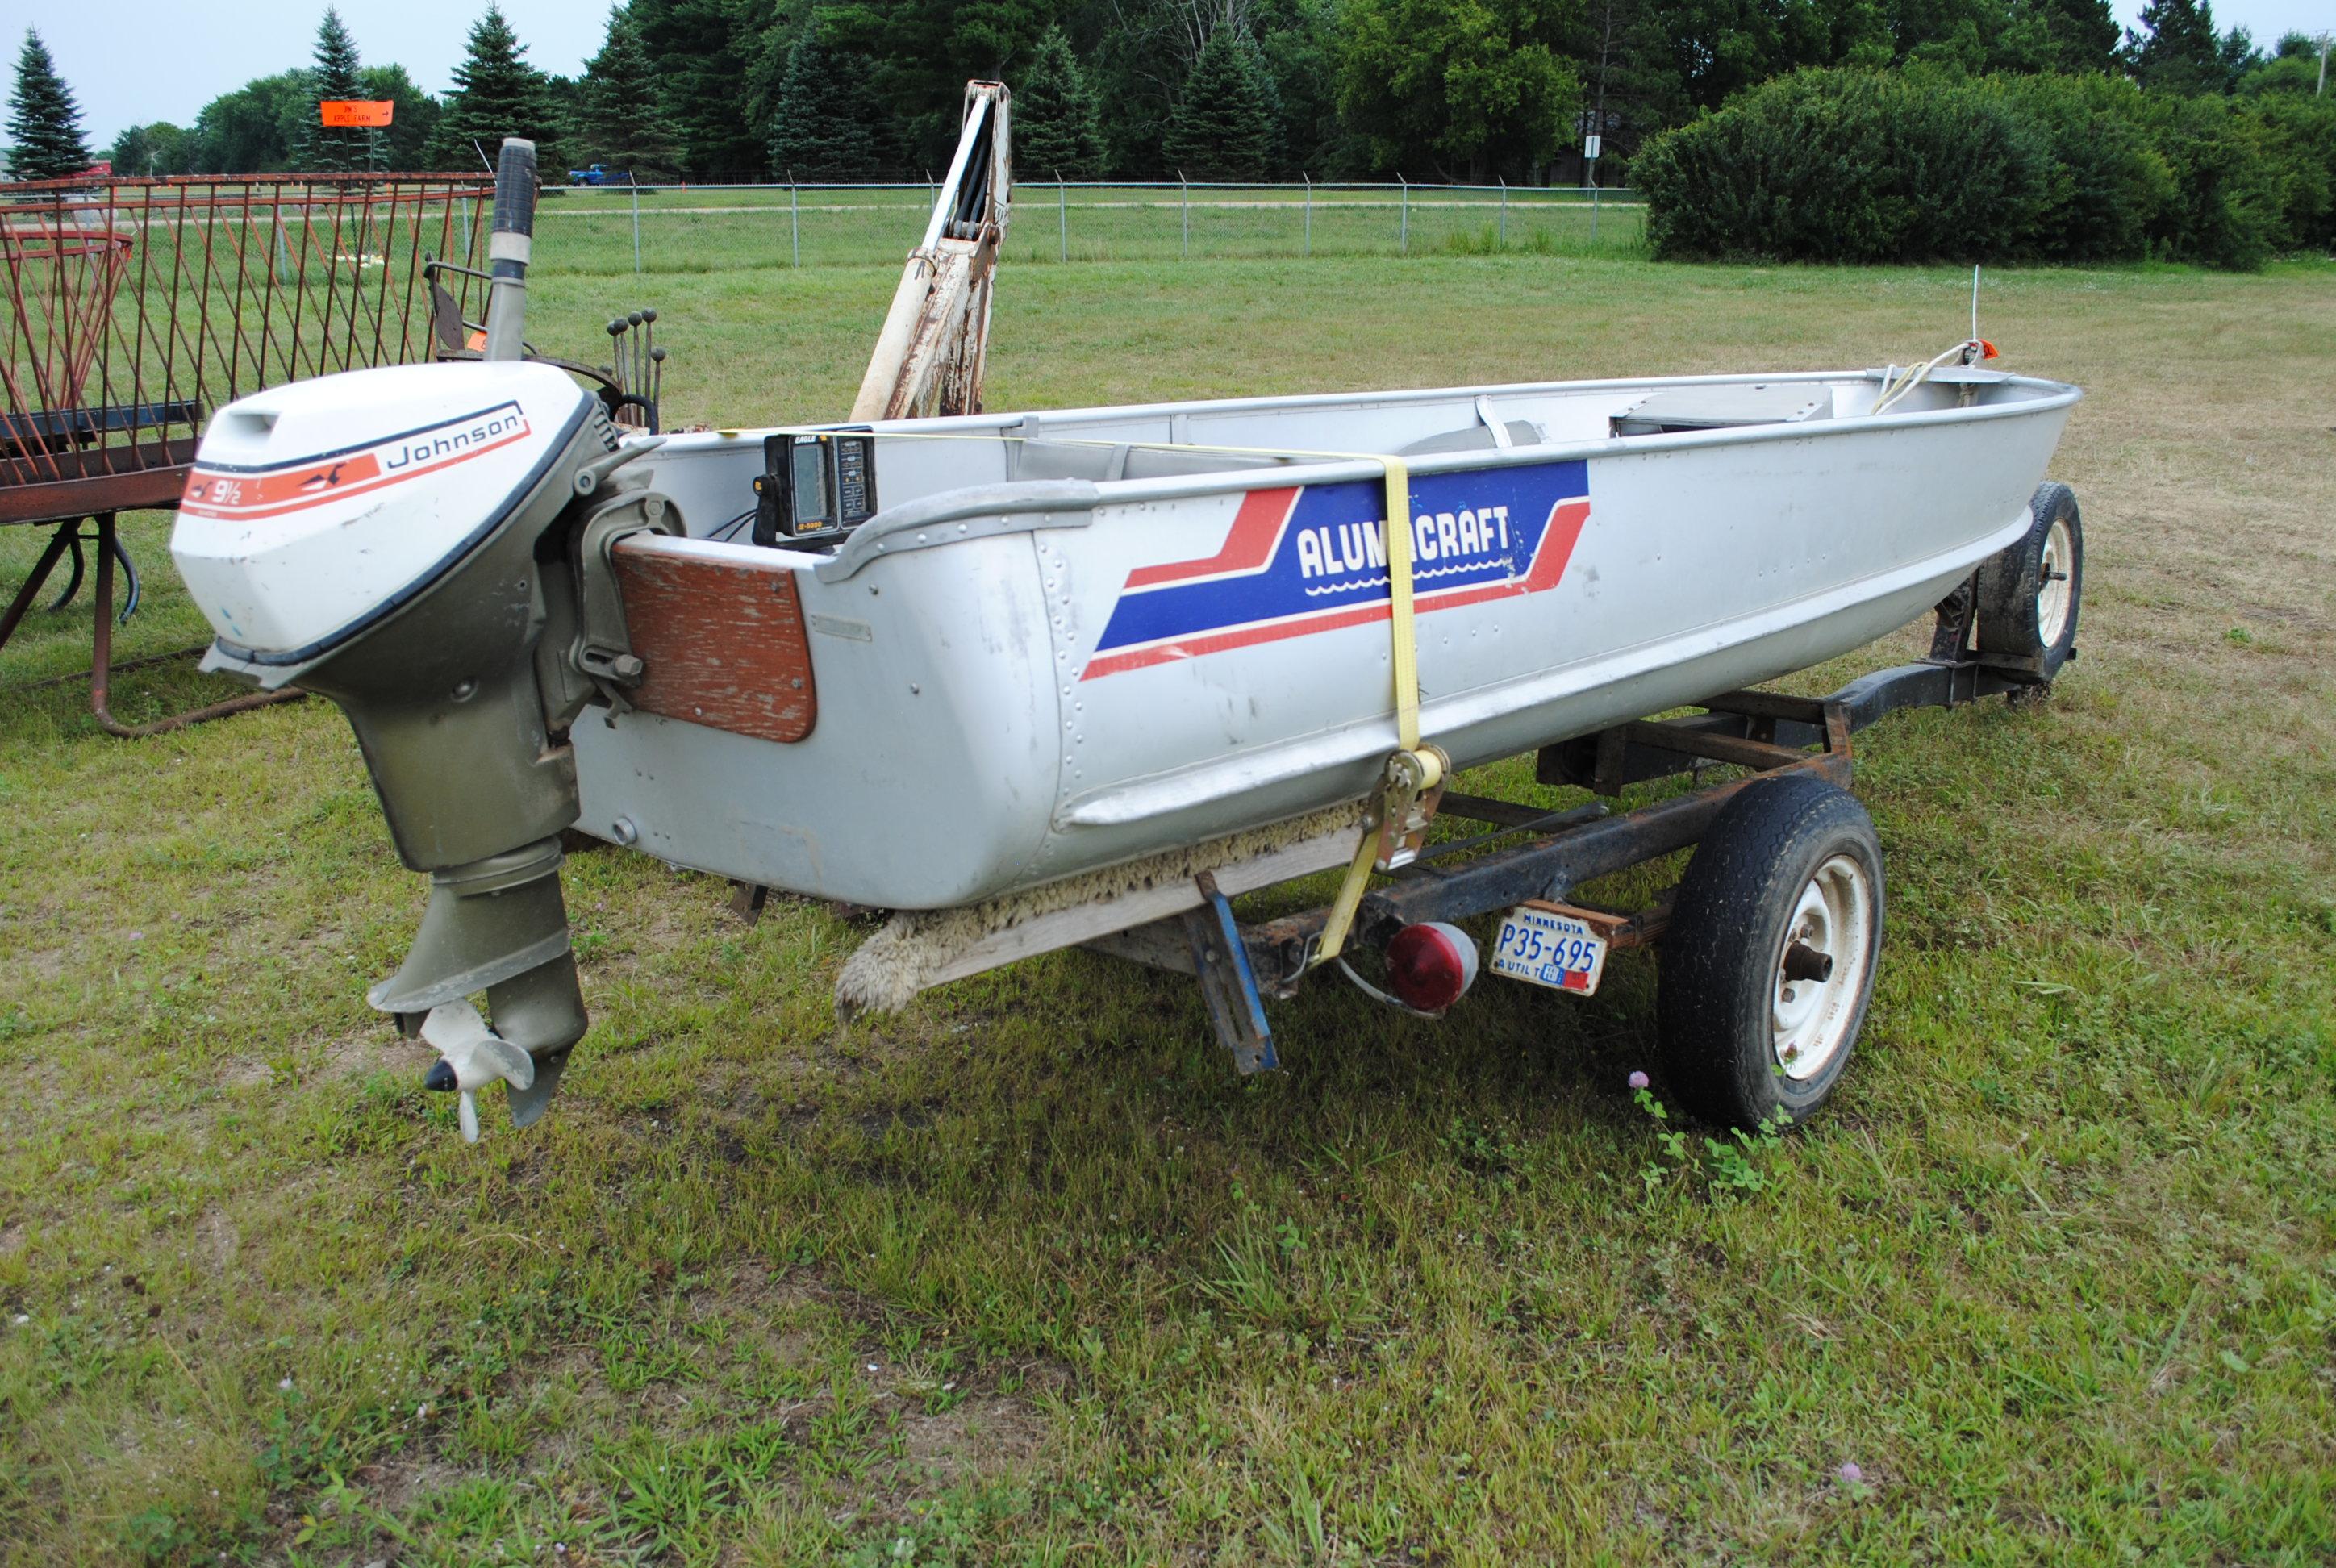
x,y
1027,1274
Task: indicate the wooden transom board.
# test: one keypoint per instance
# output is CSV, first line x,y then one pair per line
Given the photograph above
x,y
723,640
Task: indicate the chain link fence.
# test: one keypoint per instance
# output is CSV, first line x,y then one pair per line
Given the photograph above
x,y
615,229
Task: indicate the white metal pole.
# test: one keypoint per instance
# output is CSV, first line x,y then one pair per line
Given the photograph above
x,y
1504,211
1186,255
1403,234
1593,201
1310,211
636,220
1062,211
794,219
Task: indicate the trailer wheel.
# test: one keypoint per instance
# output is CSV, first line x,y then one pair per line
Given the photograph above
x,y
2029,592
1769,963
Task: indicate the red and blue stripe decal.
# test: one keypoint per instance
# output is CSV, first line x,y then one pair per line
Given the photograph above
x,y
1313,559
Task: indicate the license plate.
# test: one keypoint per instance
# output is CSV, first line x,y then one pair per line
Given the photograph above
x,y
1545,948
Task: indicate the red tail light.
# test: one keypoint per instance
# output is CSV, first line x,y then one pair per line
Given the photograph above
x,y
1430,966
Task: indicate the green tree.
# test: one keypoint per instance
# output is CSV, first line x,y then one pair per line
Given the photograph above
x,y
2176,49
497,93
413,115
2236,53
621,119
158,148
2071,37
1461,87
2084,34
1057,127
704,54
2294,68
132,152
44,139
254,129
920,55
1225,123
1299,41
335,74
825,125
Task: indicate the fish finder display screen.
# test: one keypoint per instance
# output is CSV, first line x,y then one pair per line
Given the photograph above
x,y
814,486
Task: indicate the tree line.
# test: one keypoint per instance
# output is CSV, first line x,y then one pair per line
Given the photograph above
x,y
1919,165
844,90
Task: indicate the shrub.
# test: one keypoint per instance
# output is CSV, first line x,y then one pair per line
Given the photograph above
x,y
1846,166
1920,166
2301,135
2106,178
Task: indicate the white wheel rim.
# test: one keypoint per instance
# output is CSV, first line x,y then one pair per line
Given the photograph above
x,y
1811,1020
2056,581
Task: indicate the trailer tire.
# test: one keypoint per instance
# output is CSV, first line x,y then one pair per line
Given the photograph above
x,y
1790,873
2029,592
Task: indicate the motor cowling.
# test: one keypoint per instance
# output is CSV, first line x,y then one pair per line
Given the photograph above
x,y
397,540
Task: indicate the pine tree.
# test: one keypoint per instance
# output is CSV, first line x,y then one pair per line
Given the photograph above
x,y
704,53
1057,126
43,122
825,125
621,121
1223,124
496,94
334,73
2176,50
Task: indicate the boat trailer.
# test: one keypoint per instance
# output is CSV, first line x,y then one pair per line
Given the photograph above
x,y
1725,1033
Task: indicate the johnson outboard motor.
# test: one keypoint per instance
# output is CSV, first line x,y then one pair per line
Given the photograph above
x,y
412,542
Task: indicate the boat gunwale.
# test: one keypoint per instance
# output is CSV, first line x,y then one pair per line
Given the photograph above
x,y
1041,500
1002,423
1036,500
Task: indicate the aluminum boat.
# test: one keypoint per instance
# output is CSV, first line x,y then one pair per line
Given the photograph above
x,y
1065,639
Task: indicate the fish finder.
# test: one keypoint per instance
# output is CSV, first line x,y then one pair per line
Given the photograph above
x,y
814,485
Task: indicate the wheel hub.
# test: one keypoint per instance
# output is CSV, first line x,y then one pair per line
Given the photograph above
x,y
2054,584
1813,1003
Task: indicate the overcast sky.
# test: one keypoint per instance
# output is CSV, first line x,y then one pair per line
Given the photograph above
x,y
134,61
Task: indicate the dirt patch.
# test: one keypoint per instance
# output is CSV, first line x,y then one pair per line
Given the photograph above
x,y
217,1238
377,1047
992,1432
247,1074
42,963
396,1485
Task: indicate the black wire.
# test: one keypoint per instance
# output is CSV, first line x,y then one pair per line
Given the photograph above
x,y
731,528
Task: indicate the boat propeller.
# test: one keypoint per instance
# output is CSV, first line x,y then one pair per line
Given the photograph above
x,y
471,1056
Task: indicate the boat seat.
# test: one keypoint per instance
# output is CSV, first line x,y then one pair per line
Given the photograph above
x,y
1685,408
1078,460
1476,438
1152,463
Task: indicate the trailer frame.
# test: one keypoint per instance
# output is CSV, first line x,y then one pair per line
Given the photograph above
x,y
1241,965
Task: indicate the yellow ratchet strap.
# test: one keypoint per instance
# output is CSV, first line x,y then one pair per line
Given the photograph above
x,y
1402,627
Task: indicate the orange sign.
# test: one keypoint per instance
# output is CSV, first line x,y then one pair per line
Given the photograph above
x,y
356,110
